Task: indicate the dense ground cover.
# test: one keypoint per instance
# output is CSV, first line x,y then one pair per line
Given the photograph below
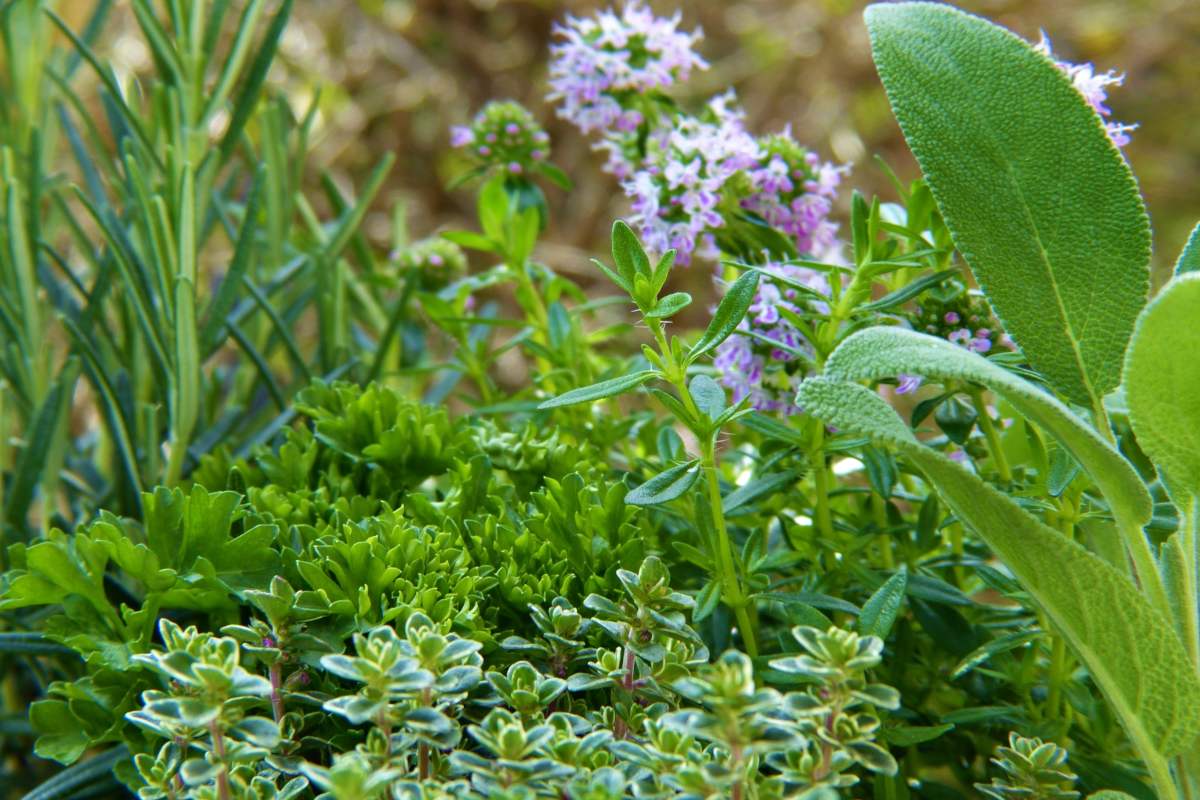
x,y
913,514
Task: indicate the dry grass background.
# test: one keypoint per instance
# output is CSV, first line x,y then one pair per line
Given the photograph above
x,y
395,74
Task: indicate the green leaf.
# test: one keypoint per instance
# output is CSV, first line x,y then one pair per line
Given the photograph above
x,y
43,438
884,352
881,609
662,271
665,486
61,738
89,774
1001,644
1162,383
908,291
707,600
247,98
708,395
599,391
628,254
670,305
231,282
471,240
812,600
1128,646
31,644
909,735
728,316
1038,200
768,484
1189,259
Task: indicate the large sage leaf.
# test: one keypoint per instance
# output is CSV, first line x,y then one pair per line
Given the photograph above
x,y
887,351
1162,383
1038,200
1130,649
1189,258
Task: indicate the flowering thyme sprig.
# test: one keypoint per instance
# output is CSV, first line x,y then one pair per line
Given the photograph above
x,y
606,65
1093,86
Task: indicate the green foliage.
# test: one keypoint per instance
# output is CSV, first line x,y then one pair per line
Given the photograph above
x,y
1043,218
515,544
1032,768
1162,386
882,352
1129,646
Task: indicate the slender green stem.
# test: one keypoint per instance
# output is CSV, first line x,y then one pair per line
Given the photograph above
x,y
1185,775
1058,662
1190,611
540,315
1100,421
175,461
1144,561
822,517
735,598
879,509
1165,787
995,448
535,307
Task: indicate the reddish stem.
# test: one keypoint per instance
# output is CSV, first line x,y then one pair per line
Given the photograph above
x,y
219,749
276,675
620,728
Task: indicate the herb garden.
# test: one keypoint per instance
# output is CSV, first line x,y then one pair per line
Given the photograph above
x,y
293,510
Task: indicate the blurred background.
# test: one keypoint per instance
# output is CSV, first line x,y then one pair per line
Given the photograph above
x,y
395,74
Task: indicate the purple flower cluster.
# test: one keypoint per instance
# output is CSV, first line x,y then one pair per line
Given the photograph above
x,y
684,173
793,190
505,135
677,190
705,167
694,178
767,357
604,63
436,262
1093,86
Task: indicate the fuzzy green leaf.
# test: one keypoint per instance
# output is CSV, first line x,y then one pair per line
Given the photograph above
x,y
1189,259
1038,200
599,391
884,352
1162,383
1129,647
